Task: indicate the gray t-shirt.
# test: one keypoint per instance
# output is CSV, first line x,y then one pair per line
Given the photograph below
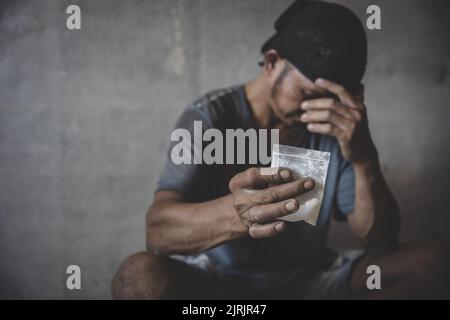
x,y
300,245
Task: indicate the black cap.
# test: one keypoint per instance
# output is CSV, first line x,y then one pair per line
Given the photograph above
x,y
322,39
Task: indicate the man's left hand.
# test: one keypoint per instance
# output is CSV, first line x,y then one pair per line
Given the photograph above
x,y
344,118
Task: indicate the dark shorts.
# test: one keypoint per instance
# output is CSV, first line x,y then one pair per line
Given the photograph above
x,y
331,283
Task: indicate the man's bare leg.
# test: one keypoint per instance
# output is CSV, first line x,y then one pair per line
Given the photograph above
x,y
413,271
147,276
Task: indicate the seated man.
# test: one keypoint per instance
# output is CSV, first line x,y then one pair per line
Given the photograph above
x,y
213,231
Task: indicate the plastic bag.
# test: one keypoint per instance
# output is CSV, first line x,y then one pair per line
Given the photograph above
x,y
305,163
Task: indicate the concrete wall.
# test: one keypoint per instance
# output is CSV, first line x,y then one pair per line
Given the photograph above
x,y
85,117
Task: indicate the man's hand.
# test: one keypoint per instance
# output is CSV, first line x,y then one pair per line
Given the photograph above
x,y
345,119
261,199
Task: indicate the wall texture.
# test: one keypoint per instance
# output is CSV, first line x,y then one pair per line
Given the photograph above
x,y
85,117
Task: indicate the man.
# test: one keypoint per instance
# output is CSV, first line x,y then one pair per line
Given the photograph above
x,y
213,231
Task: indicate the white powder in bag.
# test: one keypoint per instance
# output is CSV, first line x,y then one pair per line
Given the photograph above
x,y
305,163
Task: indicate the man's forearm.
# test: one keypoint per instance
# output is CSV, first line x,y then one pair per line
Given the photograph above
x,y
188,228
376,216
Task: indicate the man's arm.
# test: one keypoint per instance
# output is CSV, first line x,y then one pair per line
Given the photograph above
x,y
175,226
375,218
178,227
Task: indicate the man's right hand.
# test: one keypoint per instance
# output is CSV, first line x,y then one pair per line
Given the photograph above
x,y
260,199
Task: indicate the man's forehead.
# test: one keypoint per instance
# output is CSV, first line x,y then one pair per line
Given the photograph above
x,y
308,88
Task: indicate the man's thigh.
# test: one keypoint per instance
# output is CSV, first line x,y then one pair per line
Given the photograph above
x,y
188,282
406,272
333,282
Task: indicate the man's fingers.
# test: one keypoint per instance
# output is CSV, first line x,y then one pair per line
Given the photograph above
x,y
327,104
283,191
326,128
258,231
257,178
271,212
326,116
338,90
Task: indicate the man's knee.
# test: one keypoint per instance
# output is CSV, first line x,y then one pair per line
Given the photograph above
x,y
141,276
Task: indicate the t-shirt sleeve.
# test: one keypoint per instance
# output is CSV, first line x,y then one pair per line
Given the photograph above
x,y
184,177
345,193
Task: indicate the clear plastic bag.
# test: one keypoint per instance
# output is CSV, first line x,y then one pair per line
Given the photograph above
x,y
305,163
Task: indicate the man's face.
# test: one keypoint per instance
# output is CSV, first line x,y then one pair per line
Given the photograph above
x,y
289,90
